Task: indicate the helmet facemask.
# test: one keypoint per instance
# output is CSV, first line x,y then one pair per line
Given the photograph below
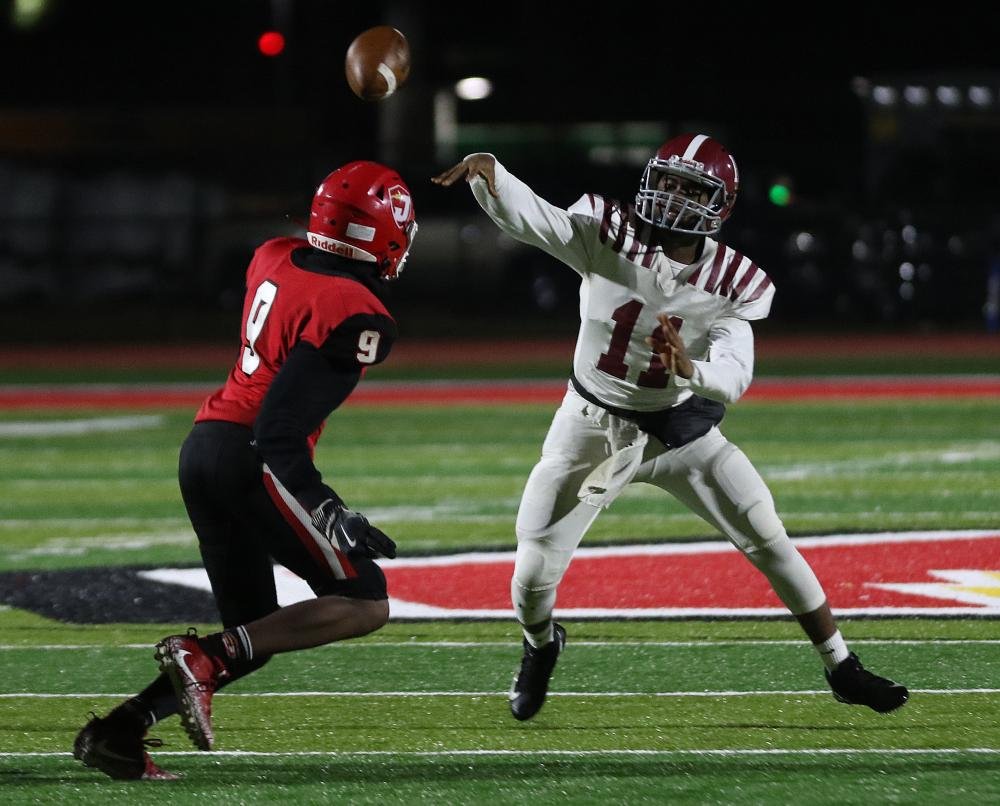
x,y
392,269
677,211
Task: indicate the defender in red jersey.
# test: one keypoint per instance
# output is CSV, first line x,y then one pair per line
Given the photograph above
x,y
313,322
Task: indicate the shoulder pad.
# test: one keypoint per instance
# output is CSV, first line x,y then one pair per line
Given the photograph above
x,y
730,274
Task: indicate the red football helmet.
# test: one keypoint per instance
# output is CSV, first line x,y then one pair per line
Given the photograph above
x,y
688,186
364,211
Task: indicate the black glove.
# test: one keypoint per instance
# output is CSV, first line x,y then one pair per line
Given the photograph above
x,y
351,532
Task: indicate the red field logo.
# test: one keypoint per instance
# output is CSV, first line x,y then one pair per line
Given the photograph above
x,y
898,574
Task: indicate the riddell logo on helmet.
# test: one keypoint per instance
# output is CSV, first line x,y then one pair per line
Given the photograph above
x,y
339,248
328,245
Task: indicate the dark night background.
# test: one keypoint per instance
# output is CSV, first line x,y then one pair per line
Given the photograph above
x,y
145,149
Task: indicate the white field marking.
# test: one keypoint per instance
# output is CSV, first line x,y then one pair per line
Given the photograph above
x,y
91,425
954,455
78,546
706,547
76,483
505,694
969,586
69,523
719,751
344,645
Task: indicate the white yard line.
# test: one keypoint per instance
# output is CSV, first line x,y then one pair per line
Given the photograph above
x,y
722,751
88,425
504,694
474,644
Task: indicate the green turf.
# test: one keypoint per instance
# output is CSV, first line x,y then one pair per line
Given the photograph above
x,y
767,732
439,479
444,479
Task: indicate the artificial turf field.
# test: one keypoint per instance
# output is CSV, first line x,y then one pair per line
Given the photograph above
x,y
700,711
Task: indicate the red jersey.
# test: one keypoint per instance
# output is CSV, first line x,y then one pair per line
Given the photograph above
x,y
286,305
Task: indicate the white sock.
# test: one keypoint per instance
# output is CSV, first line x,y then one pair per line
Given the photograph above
x,y
833,650
539,639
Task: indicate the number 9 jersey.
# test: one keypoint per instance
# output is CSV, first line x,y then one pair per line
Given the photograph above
x,y
320,306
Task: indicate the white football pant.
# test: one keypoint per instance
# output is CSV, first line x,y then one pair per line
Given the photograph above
x,y
710,475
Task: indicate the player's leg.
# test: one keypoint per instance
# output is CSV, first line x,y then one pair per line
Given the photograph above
x,y
551,521
266,522
116,744
217,473
717,481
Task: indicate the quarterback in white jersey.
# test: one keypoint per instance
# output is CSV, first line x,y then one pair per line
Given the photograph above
x,y
665,342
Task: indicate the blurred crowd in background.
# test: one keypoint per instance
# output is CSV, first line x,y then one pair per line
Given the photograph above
x,y
146,150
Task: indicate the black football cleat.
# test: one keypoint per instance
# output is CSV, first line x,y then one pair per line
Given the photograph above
x,y
853,684
118,750
531,683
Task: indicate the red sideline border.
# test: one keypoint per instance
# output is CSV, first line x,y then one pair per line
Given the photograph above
x,y
475,393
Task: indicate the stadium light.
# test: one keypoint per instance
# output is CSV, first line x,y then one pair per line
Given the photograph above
x,y
474,88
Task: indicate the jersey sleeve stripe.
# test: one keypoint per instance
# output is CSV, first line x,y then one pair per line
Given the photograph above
x,y
319,548
744,281
634,247
606,222
733,267
760,290
622,232
713,274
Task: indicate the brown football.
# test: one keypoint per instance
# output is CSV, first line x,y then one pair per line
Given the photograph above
x,y
377,63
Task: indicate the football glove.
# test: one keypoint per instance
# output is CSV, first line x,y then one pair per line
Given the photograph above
x,y
351,532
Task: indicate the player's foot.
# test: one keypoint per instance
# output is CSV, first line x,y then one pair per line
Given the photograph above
x,y
195,676
531,683
118,749
854,684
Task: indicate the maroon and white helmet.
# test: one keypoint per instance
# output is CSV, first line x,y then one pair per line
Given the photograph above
x,y
364,211
695,161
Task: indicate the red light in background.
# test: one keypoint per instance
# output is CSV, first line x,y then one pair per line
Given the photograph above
x,y
271,43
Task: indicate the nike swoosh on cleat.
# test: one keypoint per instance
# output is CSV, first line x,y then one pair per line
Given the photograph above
x,y
179,656
102,748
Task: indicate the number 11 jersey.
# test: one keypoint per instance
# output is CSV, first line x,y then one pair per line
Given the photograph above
x,y
626,282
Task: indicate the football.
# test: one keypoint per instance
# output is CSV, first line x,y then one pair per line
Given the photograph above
x,y
377,63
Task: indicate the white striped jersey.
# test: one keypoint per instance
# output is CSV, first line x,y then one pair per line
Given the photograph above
x,y
626,282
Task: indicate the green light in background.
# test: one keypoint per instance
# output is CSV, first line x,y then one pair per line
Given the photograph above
x,y
780,195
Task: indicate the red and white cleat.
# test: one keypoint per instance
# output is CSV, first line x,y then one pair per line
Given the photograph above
x,y
195,676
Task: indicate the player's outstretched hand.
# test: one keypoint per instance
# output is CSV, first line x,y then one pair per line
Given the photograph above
x,y
351,532
474,165
667,343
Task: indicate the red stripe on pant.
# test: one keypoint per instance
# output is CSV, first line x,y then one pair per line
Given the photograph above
x,y
306,537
